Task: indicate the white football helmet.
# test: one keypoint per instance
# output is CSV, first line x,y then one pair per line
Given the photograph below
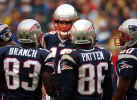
x,y
28,31
128,29
5,33
65,15
65,12
83,32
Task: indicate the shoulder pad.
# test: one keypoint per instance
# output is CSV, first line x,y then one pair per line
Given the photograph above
x,y
52,32
49,33
101,47
68,57
44,49
128,51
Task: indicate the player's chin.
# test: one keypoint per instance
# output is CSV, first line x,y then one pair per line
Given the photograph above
x,y
64,33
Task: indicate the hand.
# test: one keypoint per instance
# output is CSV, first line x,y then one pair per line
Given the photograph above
x,y
43,91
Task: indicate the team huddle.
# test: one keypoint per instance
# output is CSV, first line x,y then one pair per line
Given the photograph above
x,y
66,62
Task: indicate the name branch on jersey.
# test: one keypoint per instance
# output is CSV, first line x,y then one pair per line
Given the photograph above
x,y
23,52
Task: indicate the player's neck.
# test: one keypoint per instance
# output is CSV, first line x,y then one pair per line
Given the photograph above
x,y
84,46
63,37
27,45
3,44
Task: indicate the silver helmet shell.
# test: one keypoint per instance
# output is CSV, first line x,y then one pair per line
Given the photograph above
x,y
65,12
5,33
28,31
83,32
129,27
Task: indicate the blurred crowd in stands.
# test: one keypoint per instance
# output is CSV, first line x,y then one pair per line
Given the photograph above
x,y
107,15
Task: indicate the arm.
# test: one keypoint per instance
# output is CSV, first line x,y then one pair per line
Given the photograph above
x,y
67,78
48,84
3,86
43,39
122,88
108,86
67,84
126,69
47,70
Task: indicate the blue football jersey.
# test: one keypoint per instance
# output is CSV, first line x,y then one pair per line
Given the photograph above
x,y
58,47
23,68
88,73
127,67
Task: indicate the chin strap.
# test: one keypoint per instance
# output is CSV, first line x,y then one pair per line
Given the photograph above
x,y
64,35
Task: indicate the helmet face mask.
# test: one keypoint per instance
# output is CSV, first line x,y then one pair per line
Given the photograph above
x,y
83,32
124,37
63,18
4,33
129,33
28,31
27,37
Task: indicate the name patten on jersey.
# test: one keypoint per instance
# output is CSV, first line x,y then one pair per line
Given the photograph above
x,y
91,67
92,56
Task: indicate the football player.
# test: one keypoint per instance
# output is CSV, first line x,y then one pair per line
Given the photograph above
x,y
87,71
63,17
127,61
58,41
26,67
6,38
